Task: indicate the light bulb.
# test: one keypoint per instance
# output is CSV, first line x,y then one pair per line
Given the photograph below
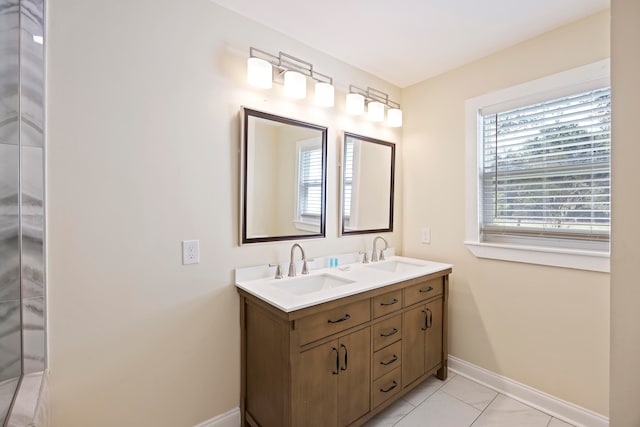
x,y
394,117
375,111
355,104
295,85
324,94
259,73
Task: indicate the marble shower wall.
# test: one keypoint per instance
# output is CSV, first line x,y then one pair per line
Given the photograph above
x,y
22,290
32,174
10,304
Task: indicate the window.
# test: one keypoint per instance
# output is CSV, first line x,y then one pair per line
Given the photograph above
x,y
543,171
309,206
546,169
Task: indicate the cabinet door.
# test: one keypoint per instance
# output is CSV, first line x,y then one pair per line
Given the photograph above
x,y
413,344
316,400
354,379
433,334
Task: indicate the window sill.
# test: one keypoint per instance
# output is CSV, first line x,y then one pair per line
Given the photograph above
x,y
555,257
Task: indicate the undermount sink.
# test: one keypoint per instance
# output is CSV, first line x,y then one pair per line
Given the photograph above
x,y
393,266
309,284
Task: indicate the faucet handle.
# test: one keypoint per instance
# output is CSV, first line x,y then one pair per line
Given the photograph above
x,y
304,266
381,255
278,270
365,257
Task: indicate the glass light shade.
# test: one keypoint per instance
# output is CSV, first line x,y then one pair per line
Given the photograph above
x,y
324,94
259,73
295,85
394,117
375,111
355,104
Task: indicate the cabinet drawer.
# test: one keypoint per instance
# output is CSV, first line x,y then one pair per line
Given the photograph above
x,y
386,386
314,327
422,291
387,303
387,359
387,332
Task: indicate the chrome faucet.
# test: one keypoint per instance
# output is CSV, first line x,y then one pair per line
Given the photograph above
x,y
278,270
374,254
292,266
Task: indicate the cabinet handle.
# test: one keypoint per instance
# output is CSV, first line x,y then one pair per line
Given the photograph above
x,y
426,320
391,387
337,361
342,319
429,289
429,318
393,301
393,332
390,361
346,355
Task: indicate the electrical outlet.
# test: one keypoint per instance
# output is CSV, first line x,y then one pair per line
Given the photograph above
x,y
190,252
426,236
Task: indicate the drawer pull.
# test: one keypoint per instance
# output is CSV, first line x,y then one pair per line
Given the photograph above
x,y
425,290
393,301
429,318
344,368
426,320
390,361
342,319
391,387
337,361
393,332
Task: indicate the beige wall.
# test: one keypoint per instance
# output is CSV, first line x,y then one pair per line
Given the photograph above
x,y
545,327
143,135
625,286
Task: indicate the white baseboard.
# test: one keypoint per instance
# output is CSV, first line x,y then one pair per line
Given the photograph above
x,y
228,419
563,410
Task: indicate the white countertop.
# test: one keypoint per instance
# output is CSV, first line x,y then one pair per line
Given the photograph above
x,y
365,277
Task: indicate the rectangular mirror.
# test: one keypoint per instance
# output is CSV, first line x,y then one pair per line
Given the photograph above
x,y
283,178
368,167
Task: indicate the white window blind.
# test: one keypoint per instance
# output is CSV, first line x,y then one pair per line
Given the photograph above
x,y
545,169
310,184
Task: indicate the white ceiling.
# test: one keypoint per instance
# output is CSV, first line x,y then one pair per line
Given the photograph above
x,y
407,41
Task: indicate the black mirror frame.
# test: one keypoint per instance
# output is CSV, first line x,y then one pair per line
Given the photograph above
x,y
245,114
391,187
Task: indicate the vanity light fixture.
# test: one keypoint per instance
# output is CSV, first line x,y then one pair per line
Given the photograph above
x,y
394,117
259,73
375,111
376,102
290,71
324,94
355,104
295,85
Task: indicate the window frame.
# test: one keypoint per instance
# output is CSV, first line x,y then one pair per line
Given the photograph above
x,y
521,249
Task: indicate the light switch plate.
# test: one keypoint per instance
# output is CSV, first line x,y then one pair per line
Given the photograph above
x,y
190,252
426,236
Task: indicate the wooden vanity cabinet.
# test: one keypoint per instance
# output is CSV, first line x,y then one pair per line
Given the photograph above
x,y
329,381
422,340
340,363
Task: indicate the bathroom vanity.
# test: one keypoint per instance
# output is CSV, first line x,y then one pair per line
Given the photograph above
x,y
334,348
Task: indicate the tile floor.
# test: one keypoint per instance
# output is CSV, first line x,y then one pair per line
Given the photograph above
x,y
460,402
